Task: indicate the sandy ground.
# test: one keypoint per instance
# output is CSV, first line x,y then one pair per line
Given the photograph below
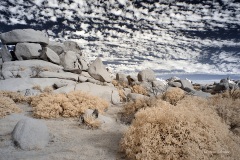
x,y
69,141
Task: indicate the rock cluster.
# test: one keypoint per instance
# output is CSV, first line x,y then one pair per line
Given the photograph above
x,y
27,53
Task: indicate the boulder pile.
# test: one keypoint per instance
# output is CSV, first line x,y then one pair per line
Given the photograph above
x,y
28,54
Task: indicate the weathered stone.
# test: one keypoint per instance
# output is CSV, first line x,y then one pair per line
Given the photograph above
x,y
83,63
186,84
30,134
60,84
60,75
52,56
76,71
82,78
132,80
94,81
24,35
28,68
121,77
201,94
26,51
220,87
135,96
70,60
108,93
6,55
175,84
56,47
72,46
98,71
146,75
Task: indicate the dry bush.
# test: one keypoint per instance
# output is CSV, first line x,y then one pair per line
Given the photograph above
x,y
186,131
228,109
7,106
173,95
129,109
139,90
16,97
48,89
120,86
234,94
91,122
37,87
72,104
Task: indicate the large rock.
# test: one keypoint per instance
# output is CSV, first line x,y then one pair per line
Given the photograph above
x,y
70,60
98,71
56,47
186,85
132,80
106,92
26,51
30,134
6,56
72,46
28,68
146,75
121,77
52,56
24,35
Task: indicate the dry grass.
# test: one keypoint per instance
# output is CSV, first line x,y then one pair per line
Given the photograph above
x,y
48,89
189,130
139,90
120,86
91,122
7,106
37,87
228,109
16,97
173,95
72,104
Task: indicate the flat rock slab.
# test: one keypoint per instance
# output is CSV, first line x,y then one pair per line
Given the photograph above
x,y
52,56
27,68
22,84
24,35
61,75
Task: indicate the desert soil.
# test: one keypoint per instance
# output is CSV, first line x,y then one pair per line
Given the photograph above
x,y
69,140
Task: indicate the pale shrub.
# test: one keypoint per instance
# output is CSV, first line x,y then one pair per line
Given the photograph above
x,y
186,131
48,89
37,87
72,104
173,95
139,90
228,109
120,86
91,122
7,106
129,109
16,97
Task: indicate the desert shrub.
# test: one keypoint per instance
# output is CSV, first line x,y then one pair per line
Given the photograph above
x,y
173,95
67,105
7,106
16,97
120,86
91,122
228,109
129,109
234,94
48,89
37,87
185,131
139,90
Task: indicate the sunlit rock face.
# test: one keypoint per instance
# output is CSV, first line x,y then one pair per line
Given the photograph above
x,y
129,35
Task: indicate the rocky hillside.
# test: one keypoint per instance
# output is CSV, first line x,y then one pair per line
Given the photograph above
x,y
130,35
